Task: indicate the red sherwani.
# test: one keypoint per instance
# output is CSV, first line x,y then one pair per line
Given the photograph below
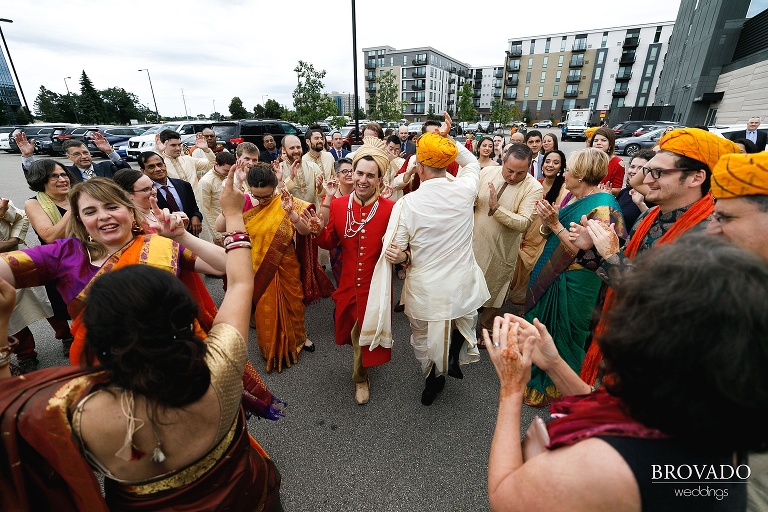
x,y
359,255
452,169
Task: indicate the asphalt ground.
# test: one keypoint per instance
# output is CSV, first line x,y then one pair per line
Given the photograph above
x,y
392,454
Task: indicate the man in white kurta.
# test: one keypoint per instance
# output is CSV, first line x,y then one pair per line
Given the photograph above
x,y
431,232
183,166
317,154
303,179
503,212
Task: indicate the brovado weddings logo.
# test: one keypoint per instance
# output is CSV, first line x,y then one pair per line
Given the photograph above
x,y
700,480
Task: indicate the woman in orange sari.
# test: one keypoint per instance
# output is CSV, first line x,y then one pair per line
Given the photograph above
x,y
287,275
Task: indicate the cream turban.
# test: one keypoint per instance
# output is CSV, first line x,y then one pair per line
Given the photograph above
x,y
698,144
376,149
435,151
740,175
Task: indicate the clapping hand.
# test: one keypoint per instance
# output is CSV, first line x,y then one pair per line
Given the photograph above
x,y
331,187
295,169
579,236
493,199
286,201
510,354
319,179
386,193
548,213
604,237
637,197
3,206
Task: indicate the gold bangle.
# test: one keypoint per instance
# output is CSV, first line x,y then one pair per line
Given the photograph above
x,y
542,233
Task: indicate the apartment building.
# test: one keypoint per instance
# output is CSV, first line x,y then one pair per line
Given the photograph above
x,y
427,78
487,84
602,69
345,102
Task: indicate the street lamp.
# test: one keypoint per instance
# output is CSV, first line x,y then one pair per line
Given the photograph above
x,y
7,52
69,95
157,112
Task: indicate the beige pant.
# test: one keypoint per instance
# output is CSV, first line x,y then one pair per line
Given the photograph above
x,y
359,372
430,342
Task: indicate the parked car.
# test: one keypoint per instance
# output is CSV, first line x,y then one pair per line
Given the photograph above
x,y
631,145
41,135
546,123
415,129
561,124
5,136
232,133
146,141
351,137
472,127
728,131
628,128
116,136
80,133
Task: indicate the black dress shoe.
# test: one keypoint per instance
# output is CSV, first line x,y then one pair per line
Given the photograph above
x,y
399,308
309,348
432,387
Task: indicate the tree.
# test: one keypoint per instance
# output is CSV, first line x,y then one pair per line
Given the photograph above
x,y
465,109
91,105
48,105
216,116
4,118
501,112
389,106
237,109
272,109
121,106
527,115
310,102
258,112
23,116
337,122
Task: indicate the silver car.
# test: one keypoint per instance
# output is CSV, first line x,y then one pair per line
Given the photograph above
x,y
631,145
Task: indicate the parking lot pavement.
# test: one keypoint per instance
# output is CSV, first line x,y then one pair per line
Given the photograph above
x,y
392,454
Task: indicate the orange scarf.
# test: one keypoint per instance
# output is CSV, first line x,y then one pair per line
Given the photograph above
x,y
697,213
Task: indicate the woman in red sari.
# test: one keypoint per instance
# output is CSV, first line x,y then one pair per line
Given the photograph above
x,y
159,416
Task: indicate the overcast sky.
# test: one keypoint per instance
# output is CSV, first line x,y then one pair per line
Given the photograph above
x,y
215,50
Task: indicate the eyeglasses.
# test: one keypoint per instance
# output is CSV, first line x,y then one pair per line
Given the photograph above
x,y
262,198
58,175
346,171
656,173
80,153
144,190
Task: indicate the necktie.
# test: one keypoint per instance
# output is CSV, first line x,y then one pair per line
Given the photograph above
x,y
87,174
532,170
172,204
402,147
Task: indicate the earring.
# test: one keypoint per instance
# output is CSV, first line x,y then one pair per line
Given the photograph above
x,y
90,238
135,229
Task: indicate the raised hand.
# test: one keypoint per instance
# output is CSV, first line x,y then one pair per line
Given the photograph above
x,y
200,141
493,200
295,168
319,182
386,193
604,187
169,225
101,143
286,201
231,199
331,187
548,213
445,127
637,197
26,147
159,145
311,219
277,168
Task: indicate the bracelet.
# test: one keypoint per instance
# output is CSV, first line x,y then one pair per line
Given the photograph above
x,y
407,261
6,351
237,237
233,233
237,245
560,231
542,233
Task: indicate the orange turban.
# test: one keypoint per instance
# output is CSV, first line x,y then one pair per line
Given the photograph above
x,y
589,132
435,151
375,148
740,175
700,145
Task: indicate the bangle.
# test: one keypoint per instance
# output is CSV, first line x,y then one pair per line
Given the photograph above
x,y
298,218
232,233
237,245
236,237
6,351
542,233
407,261
560,231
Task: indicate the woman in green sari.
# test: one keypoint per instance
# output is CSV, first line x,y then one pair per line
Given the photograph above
x,y
564,288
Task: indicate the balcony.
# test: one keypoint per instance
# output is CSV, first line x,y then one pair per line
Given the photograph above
x,y
371,88
573,79
370,77
476,94
623,77
513,65
462,73
579,46
499,73
516,52
627,58
571,94
497,93
452,90
451,80
415,110
416,74
619,93
478,84
510,95
450,102
370,64
476,103
418,87
513,81
419,62
631,42
452,70
576,63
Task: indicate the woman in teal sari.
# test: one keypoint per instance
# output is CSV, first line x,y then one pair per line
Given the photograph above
x,y
564,288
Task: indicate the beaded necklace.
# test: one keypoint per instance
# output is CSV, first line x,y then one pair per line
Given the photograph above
x,y
352,226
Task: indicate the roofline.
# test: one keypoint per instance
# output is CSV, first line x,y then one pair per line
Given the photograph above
x,y
593,31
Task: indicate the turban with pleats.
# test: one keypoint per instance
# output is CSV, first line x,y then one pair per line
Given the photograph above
x,y
435,151
701,145
740,175
376,149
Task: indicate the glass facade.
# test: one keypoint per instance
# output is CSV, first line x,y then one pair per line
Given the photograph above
x,y
8,93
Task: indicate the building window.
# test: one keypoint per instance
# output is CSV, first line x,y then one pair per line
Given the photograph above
x,y
528,77
543,77
525,92
557,76
546,61
604,42
546,45
560,61
538,106
598,73
530,62
595,89
648,70
600,58
541,92
641,101
533,47
645,86
654,53
556,91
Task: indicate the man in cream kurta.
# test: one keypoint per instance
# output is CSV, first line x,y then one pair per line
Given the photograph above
x,y
317,153
503,212
431,230
303,179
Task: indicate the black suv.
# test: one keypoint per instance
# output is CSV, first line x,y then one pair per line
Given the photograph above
x,y
41,135
80,133
629,128
232,133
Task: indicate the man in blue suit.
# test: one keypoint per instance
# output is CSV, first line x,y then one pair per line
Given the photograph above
x,y
337,141
176,195
83,167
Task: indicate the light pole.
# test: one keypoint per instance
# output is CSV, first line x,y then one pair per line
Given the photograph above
x,y
354,65
157,112
69,95
7,52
